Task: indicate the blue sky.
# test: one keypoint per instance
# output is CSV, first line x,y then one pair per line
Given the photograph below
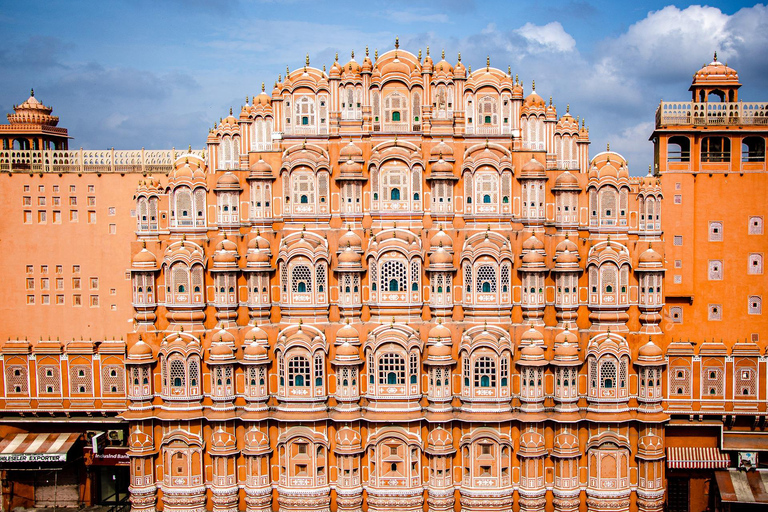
x,y
143,73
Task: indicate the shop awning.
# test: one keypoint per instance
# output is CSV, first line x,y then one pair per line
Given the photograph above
x,y
741,486
38,448
688,457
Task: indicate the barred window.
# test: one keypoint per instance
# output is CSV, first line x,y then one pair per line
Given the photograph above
x,y
415,274
504,374
177,374
608,375
715,312
468,277
505,278
746,381
715,270
393,276
318,371
301,279
466,371
755,225
373,270
284,276
391,369
755,265
113,379
298,372
713,382
486,279
48,379
414,368
485,372
755,305
320,273
194,373
677,314
16,382
679,381
80,379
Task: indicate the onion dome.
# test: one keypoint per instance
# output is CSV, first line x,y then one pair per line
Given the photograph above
x,y
441,167
140,441
441,150
715,74
222,336
225,256
348,441
395,66
428,65
351,70
441,238
567,124
566,337
263,98
533,100
440,259
566,181
367,64
221,351
439,333
260,169
350,152
533,169
650,446
533,260
566,445
140,351
533,243
32,112
440,442
650,260
256,443
531,355
228,181
459,71
350,238
351,169
532,336
567,261
349,260
439,354
144,260
347,333
258,335
443,68
347,354
650,354
335,71
532,444
222,442
567,245
566,354
255,352
258,256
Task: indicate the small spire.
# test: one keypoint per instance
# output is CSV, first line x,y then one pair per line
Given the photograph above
x,y
442,55
568,108
533,85
262,86
488,61
608,147
715,59
376,54
306,60
280,78
397,43
469,70
246,100
32,91
353,54
337,57
509,70
459,56
427,50
419,54
366,50
517,79
287,71
550,101
230,110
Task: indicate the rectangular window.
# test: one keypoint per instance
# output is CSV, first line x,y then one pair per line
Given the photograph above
x,y
59,283
42,217
678,186
26,188
56,201
111,211
76,300
72,201
715,231
678,263
30,283
59,269
91,201
91,189
94,283
94,302
755,225
56,217
72,215
72,189
91,217
45,300
55,189
755,305
678,279
59,300
755,264
715,312
75,269
715,270
41,201
26,201
27,217
45,284
30,269
678,240
678,199
43,269
677,314
41,188
75,283
31,300
112,229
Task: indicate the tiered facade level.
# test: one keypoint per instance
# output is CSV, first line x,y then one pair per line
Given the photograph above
x,y
395,285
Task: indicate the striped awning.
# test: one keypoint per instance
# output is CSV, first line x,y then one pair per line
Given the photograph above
x,y
688,457
36,447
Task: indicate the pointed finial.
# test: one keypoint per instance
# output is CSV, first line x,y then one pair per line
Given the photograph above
x,y
550,101
306,60
469,69
397,42
262,86
324,68
32,91
189,148
568,108
715,56
582,123
246,100
442,55
427,50
230,110
533,85
419,54
608,147
487,61
376,54
287,71
517,79
353,54
509,70
459,56
280,78
337,57
366,50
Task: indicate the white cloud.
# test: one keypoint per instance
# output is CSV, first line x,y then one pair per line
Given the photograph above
x,y
547,38
416,17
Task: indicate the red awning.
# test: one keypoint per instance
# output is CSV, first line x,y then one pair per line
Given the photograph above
x,y
741,486
20,448
687,457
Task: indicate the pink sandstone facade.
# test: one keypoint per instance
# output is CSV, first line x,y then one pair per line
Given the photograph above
x,y
397,284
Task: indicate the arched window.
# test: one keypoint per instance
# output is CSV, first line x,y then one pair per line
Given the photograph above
x,y
393,274
304,189
715,149
391,369
753,149
395,108
485,372
394,194
177,374
301,279
298,372
679,149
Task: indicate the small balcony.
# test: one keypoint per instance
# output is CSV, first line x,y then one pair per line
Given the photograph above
x,y
677,113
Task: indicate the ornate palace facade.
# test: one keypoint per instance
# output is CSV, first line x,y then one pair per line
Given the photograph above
x,y
394,285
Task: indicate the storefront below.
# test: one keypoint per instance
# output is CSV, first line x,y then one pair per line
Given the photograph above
x,y
741,490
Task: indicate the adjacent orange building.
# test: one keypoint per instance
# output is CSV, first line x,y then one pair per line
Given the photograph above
x,y
398,284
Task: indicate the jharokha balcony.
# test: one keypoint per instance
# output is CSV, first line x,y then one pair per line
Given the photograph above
x,y
683,113
91,161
